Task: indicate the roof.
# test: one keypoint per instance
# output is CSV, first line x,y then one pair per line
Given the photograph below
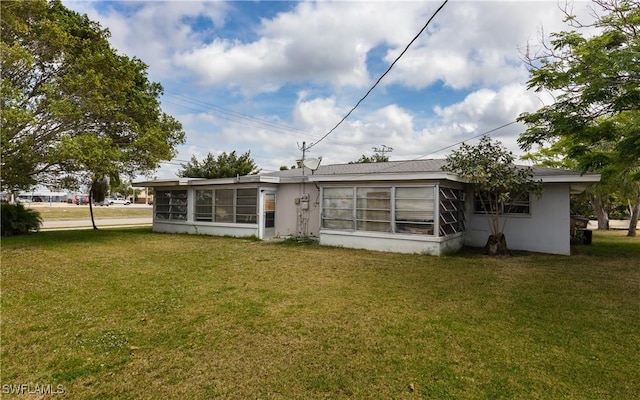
x,y
416,169
430,169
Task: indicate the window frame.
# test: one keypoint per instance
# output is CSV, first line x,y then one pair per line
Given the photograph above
x,y
248,217
174,206
346,208
415,226
204,212
366,215
451,204
341,207
509,208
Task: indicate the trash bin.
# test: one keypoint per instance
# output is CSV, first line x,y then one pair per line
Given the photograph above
x,y
587,236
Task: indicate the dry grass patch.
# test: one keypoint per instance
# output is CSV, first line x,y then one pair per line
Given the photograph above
x,y
132,314
74,212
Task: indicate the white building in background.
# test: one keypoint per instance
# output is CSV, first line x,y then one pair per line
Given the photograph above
x,y
400,206
44,196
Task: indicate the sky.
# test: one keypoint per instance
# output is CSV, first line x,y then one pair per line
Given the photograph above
x,y
270,76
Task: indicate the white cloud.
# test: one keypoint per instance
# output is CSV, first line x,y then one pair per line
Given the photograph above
x,y
154,31
323,51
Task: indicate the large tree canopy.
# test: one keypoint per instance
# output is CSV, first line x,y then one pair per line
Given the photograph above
x,y
595,120
224,166
596,81
71,104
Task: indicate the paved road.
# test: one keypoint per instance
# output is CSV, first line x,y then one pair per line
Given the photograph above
x,y
100,223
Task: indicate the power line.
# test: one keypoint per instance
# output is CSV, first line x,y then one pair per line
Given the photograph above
x,y
238,116
398,163
382,76
234,116
462,141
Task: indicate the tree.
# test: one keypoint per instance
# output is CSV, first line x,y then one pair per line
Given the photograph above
x,y
597,81
489,167
224,166
373,159
72,106
599,194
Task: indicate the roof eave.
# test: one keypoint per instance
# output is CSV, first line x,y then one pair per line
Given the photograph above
x,y
400,176
586,178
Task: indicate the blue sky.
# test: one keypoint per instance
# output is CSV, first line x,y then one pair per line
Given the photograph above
x,y
267,76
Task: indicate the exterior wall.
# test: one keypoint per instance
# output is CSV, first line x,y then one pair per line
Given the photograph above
x,y
291,217
191,226
416,244
204,228
545,230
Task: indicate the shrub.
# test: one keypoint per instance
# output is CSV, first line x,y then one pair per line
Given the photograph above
x,y
17,220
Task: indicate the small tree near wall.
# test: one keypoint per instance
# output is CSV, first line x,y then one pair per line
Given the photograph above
x,y
496,181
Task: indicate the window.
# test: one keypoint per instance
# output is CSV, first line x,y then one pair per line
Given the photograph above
x,y
414,210
337,208
246,206
269,210
519,204
171,205
224,205
204,205
451,211
404,210
373,209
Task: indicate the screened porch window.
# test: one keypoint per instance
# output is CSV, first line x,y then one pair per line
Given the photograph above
x,y
247,206
414,208
373,209
451,211
406,210
227,205
204,205
337,208
171,205
224,205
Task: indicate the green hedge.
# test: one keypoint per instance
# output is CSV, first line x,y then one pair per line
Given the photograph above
x,y
17,220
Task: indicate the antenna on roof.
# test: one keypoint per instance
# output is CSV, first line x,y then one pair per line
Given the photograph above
x,y
384,149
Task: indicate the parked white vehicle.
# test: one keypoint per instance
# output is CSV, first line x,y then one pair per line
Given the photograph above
x,y
118,200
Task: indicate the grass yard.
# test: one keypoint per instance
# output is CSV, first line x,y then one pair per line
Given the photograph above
x,y
129,314
73,212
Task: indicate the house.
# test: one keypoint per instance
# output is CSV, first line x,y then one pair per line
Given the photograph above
x,y
400,206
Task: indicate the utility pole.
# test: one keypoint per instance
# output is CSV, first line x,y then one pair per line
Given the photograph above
x,y
304,149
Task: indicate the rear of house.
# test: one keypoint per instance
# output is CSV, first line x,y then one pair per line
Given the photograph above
x,y
401,206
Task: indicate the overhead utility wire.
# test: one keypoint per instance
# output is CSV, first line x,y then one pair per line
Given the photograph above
x,y
467,139
398,163
194,104
234,116
239,116
382,76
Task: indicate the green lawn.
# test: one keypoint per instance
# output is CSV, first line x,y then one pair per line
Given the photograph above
x,y
126,313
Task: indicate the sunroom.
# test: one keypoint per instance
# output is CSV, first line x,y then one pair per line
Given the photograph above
x,y
425,218
242,206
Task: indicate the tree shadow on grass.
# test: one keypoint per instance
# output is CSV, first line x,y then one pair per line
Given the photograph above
x,y
87,236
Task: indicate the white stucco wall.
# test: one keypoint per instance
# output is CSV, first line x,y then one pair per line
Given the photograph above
x,y
379,241
545,230
291,218
207,228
